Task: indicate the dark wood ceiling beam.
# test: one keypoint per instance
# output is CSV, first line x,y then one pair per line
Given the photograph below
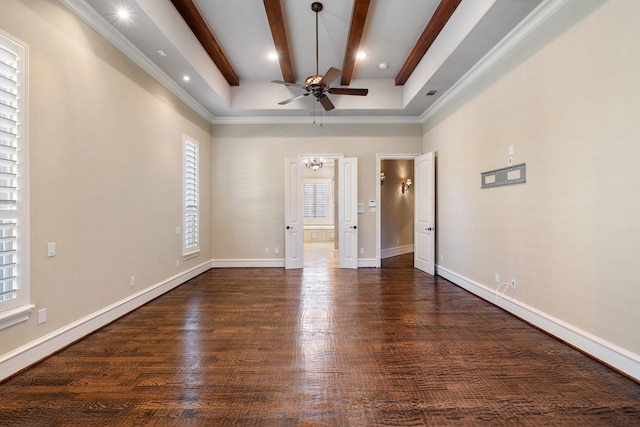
x,y
358,18
194,20
280,40
434,26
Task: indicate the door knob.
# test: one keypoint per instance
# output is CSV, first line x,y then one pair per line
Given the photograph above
x,y
429,229
289,227
354,227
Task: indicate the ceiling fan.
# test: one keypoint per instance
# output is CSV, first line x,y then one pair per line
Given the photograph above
x,y
318,85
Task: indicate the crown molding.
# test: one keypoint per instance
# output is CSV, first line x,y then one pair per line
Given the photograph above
x,y
319,120
85,12
541,14
522,31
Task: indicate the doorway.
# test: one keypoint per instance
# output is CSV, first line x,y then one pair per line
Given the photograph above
x,y
396,208
424,220
345,228
320,245
395,215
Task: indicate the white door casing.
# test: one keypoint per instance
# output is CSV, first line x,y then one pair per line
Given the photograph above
x,y
348,212
293,214
424,215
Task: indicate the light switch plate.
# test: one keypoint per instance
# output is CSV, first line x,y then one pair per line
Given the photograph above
x,y
51,249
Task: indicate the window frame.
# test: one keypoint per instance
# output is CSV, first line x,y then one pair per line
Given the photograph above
x,y
330,203
316,200
190,249
19,309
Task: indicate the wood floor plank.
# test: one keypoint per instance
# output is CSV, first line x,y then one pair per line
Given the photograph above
x,y
319,346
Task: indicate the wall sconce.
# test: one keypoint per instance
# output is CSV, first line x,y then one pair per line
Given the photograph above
x,y
382,178
406,185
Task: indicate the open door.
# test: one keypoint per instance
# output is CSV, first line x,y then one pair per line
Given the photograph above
x,y
424,215
348,212
293,219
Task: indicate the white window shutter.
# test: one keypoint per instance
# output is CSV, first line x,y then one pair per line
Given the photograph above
x,y
191,197
316,200
14,237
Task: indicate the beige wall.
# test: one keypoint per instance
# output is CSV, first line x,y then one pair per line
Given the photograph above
x,y
396,207
248,166
568,100
105,168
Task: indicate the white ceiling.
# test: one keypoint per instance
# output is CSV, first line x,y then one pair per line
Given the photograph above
x,y
241,27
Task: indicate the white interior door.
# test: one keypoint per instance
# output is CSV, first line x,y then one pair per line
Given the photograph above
x,y
293,214
348,212
424,215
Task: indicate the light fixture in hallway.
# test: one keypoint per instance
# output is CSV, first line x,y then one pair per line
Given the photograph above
x,y
314,164
406,185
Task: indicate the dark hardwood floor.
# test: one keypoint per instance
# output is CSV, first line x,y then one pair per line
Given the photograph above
x,y
319,347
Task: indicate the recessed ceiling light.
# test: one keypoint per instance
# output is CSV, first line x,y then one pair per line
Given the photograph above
x,y
383,66
124,14
272,56
161,52
186,78
361,55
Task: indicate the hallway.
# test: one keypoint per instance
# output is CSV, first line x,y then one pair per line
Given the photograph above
x,y
320,255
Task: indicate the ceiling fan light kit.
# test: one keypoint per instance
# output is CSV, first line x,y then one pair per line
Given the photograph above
x,y
319,85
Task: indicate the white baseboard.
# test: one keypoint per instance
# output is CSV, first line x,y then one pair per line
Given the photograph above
x,y
247,263
22,357
367,262
30,353
398,250
279,263
618,358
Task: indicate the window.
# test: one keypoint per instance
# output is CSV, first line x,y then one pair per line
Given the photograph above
x,y
191,198
14,227
316,197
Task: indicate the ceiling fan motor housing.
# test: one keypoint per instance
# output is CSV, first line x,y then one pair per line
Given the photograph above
x,y
312,80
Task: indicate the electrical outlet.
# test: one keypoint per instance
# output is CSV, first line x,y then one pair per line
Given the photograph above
x,y
361,251
513,283
132,281
266,250
177,263
277,251
497,277
42,316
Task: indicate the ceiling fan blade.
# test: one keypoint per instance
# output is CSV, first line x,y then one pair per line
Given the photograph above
x,y
286,101
326,103
348,91
280,82
330,76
